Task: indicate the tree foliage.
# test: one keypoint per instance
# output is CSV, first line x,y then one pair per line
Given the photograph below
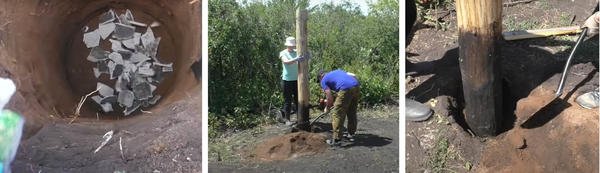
x,y
245,39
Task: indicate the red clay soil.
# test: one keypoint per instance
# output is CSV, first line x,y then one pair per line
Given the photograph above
x,y
290,146
562,136
570,145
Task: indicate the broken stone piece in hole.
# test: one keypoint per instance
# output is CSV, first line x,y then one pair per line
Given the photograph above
x,y
97,99
120,84
109,99
154,99
125,54
91,39
129,15
97,72
117,71
102,67
109,16
107,107
138,57
133,42
129,43
148,38
97,54
126,98
158,75
152,88
145,71
142,91
116,57
104,90
116,45
111,67
129,67
152,49
136,104
123,32
126,17
106,29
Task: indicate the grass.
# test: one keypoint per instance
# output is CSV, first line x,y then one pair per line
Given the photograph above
x,y
546,17
231,147
441,155
511,24
544,4
426,11
444,157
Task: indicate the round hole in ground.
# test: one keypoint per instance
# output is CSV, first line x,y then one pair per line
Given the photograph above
x,y
41,49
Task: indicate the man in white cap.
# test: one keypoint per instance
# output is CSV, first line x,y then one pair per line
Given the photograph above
x,y
289,77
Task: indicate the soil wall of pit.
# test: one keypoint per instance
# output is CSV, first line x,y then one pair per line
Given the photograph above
x,y
42,52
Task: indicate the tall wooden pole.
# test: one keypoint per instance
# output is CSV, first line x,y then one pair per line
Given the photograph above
x,y
303,93
480,29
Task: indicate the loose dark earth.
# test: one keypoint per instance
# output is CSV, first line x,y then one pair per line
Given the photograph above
x,y
271,148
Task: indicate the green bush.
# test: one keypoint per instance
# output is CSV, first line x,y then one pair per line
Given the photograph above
x,y
245,40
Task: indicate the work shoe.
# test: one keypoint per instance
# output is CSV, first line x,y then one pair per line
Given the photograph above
x,y
416,111
349,137
589,100
280,117
333,142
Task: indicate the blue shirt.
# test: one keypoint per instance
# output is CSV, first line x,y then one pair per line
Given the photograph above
x,y
338,80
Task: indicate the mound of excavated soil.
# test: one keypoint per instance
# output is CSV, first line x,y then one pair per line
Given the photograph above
x,y
291,146
549,136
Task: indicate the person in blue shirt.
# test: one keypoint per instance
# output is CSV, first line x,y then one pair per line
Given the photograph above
x,y
347,87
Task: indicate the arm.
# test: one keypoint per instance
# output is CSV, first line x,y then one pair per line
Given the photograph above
x,y
329,98
291,61
592,24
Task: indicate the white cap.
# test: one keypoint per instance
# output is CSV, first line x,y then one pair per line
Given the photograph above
x,y
7,89
290,41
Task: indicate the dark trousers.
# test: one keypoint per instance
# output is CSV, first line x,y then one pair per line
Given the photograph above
x,y
290,95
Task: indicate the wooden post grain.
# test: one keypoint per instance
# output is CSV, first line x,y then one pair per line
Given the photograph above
x,y
303,92
480,29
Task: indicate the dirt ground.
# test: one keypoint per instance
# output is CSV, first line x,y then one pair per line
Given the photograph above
x,y
375,148
531,71
165,141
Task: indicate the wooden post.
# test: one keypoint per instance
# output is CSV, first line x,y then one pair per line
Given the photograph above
x,y
480,29
303,93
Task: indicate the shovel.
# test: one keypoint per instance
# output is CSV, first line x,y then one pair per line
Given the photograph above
x,y
531,112
563,78
318,117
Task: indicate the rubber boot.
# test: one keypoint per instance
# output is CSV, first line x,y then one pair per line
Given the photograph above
x,y
416,111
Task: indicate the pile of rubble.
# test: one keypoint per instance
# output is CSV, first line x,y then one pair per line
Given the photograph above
x,y
132,62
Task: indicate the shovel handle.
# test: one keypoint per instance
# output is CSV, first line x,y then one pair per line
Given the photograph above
x,y
563,77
